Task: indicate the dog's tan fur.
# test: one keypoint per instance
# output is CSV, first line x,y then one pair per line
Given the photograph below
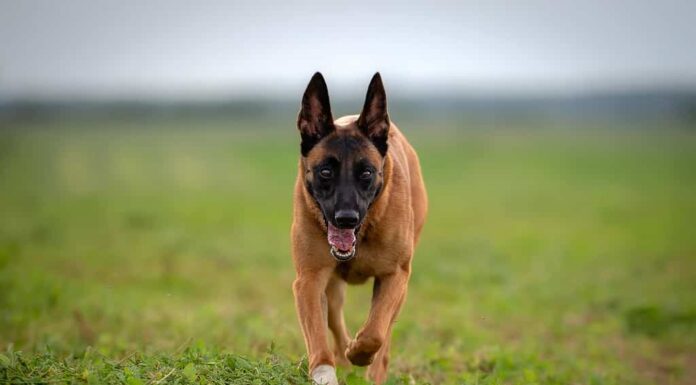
x,y
386,243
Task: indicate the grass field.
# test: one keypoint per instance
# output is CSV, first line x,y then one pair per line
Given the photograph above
x,y
148,251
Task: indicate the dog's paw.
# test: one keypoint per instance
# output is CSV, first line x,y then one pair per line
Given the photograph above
x,y
362,350
324,375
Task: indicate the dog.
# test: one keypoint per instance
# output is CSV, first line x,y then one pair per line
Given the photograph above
x,y
359,207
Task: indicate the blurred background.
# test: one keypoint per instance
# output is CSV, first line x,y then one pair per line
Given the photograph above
x,y
148,152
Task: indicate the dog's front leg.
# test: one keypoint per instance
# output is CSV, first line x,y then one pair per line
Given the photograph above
x,y
310,301
388,294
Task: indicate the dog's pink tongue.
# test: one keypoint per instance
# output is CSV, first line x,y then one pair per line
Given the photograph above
x,y
342,239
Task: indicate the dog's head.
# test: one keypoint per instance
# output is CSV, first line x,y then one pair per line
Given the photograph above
x,y
343,165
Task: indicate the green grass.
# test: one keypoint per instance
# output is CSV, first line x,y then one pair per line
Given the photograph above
x,y
157,251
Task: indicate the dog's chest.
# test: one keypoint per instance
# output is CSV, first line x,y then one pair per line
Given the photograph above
x,y
368,262
354,272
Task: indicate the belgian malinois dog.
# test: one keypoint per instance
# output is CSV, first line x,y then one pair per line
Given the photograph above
x,y
359,207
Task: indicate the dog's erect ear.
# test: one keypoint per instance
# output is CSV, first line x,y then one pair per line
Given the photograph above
x,y
314,120
374,119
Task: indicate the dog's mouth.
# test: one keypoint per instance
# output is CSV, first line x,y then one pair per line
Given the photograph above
x,y
342,242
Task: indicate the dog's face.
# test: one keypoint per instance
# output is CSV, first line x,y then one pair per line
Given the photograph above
x,y
343,167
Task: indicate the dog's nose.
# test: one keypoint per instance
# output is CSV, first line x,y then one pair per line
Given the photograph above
x,y
347,218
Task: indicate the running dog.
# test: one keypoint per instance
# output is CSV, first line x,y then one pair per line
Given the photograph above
x,y
359,207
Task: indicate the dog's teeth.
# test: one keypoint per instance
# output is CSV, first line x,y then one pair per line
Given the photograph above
x,y
340,254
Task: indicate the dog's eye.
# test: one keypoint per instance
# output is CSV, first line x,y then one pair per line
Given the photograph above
x,y
326,173
367,174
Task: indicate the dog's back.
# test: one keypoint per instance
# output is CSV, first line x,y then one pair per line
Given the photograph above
x,y
406,158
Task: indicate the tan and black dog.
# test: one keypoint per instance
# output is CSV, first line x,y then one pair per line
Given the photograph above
x,y
359,206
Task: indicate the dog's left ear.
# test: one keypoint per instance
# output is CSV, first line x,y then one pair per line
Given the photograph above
x,y
374,119
314,120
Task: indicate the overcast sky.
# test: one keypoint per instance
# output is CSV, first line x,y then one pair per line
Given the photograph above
x,y
211,49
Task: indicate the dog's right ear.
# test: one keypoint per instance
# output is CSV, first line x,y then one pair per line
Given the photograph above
x,y
374,119
314,120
